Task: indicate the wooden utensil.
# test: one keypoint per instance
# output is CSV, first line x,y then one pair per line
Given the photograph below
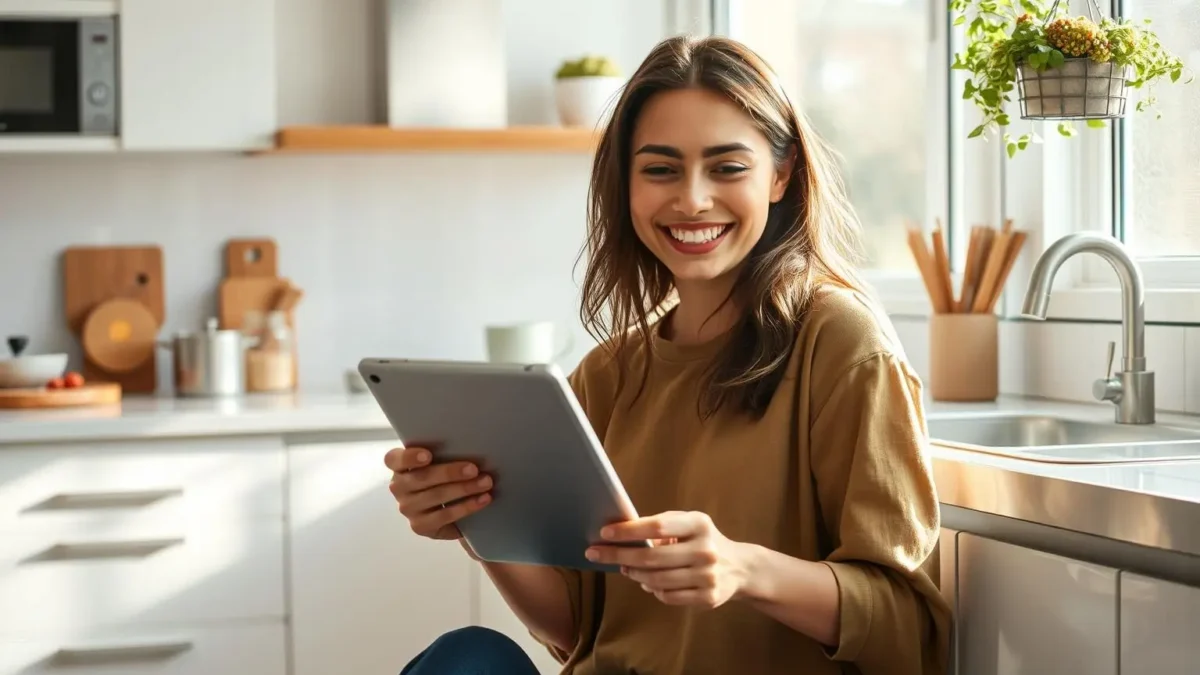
x,y
93,275
251,258
941,259
1014,251
106,393
938,292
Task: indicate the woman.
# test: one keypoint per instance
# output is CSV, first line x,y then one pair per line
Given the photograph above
x,y
749,396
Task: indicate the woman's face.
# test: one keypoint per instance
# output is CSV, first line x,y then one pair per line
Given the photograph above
x,y
701,180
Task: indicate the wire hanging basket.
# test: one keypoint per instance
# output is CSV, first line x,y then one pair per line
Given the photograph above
x,y
1079,89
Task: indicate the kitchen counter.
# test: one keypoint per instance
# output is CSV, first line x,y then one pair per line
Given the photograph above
x,y
167,416
1147,504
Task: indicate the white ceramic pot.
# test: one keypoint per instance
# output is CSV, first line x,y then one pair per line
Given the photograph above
x,y
585,101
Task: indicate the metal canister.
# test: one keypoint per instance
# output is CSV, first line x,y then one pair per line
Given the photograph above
x,y
210,363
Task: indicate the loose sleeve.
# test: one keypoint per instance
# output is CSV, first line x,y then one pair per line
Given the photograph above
x,y
879,506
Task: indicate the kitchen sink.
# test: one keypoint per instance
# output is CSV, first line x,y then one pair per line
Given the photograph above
x,y
1052,438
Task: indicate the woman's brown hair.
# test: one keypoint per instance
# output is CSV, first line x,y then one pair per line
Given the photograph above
x,y
810,236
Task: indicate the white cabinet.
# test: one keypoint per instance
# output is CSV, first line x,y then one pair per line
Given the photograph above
x,y
1160,626
1026,611
494,613
197,75
367,594
260,649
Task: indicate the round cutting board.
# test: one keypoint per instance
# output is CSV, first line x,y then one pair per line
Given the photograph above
x,y
119,335
40,397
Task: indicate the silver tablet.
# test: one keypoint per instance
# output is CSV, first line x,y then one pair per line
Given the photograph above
x,y
554,487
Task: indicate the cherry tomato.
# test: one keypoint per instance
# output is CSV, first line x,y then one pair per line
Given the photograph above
x,y
56,383
73,380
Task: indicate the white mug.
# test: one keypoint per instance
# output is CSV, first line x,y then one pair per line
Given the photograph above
x,y
531,342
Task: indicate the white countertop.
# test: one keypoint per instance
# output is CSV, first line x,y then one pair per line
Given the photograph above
x,y
165,416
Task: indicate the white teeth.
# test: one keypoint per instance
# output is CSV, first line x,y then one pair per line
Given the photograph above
x,y
697,236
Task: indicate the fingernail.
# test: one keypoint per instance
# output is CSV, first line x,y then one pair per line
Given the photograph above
x,y
470,470
422,457
483,499
591,554
485,481
607,533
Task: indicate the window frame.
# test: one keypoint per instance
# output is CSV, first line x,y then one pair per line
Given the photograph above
x,y
949,162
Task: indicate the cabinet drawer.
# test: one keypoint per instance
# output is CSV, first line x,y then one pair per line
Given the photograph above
x,y
80,487
146,575
232,650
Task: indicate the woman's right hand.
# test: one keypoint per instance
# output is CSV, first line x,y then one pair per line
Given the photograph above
x,y
434,496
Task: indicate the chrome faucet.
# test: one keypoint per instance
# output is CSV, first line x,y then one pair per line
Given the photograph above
x,y
1132,388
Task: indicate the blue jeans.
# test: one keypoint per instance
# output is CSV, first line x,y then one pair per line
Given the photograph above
x,y
473,650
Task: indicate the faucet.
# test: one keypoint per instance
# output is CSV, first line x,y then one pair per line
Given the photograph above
x,y
1131,390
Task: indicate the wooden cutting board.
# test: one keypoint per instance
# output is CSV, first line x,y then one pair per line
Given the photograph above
x,y
239,295
93,275
251,258
89,394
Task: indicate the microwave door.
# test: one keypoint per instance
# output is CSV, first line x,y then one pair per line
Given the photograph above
x,y
39,77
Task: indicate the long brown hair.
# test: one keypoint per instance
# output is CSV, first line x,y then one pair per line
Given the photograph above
x,y
810,236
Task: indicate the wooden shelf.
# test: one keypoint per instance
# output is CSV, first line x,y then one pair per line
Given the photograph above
x,y
358,139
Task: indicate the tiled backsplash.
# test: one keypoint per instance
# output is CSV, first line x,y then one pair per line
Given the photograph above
x,y
397,255
1060,360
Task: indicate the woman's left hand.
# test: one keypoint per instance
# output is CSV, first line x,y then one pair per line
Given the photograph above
x,y
691,562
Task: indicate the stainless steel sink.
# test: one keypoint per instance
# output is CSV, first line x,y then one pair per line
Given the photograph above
x,y
1052,438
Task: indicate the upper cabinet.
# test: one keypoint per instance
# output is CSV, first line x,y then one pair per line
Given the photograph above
x,y
198,75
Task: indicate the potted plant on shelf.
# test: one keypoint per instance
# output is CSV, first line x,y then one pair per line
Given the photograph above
x,y
584,88
1063,68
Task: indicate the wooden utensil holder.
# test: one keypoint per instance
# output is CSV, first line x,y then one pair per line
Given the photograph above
x,y
964,357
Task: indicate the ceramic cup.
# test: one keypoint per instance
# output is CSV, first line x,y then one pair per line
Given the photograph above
x,y
532,342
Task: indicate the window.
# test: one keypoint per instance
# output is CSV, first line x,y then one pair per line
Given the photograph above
x,y
1141,182
871,76
1158,182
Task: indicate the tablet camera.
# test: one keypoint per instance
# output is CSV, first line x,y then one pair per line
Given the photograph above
x,y
375,378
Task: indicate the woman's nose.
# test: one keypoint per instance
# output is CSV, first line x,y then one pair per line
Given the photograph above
x,y
694,197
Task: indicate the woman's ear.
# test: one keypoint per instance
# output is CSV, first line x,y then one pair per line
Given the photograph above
x,y
783,176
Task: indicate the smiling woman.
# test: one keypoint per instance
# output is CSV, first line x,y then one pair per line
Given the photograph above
x,y
775,433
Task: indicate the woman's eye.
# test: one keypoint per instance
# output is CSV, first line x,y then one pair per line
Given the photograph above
x,y
656,170
730,169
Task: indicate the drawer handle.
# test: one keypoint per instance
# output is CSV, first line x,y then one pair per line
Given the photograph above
x,y
109,549
148,651
106,500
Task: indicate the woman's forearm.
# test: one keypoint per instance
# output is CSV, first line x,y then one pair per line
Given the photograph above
x,y
538,596
800,594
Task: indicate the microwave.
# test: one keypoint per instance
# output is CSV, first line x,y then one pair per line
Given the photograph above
x,y
58,75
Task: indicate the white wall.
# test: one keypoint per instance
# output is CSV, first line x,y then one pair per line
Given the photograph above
x,y
398,255
413,254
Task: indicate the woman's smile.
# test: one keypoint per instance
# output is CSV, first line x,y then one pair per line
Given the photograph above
x,y
696,238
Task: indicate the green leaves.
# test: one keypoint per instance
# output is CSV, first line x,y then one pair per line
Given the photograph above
x,y
1003,35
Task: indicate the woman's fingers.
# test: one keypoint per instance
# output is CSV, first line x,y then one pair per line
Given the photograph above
x,y
431,522
414,503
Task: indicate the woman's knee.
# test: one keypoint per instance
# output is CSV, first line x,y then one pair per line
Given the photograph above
x,y
479,641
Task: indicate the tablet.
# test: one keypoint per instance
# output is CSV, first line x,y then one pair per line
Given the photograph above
x,y
553,486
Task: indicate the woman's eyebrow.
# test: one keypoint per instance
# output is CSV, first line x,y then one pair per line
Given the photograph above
x,y
670,151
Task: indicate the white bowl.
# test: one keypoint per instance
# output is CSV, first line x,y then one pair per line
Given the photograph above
x,y
586,101
31,371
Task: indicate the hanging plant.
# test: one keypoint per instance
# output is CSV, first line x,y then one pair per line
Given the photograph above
x,y
1062,67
